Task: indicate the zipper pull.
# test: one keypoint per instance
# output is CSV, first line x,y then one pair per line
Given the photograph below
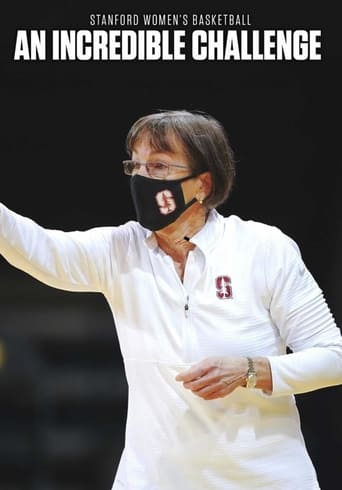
x,y
186,307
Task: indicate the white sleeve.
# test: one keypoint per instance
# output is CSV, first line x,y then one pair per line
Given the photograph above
x,y
73,261
305,323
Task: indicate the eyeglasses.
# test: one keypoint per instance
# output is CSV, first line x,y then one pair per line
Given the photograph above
x,y
157,170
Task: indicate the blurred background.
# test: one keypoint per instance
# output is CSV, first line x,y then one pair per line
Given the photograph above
x,y
63,392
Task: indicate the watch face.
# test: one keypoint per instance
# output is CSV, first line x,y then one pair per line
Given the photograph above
x,y
251,380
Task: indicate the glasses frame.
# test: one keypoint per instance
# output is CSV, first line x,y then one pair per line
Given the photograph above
x,y
146,164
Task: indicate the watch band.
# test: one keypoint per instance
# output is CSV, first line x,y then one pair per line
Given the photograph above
x,y
251,377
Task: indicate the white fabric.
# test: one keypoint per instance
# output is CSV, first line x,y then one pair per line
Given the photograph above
x,y
175,440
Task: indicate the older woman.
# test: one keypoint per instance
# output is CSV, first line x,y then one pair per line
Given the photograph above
x,y
205,308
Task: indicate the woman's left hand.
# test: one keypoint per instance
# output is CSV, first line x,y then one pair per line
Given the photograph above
x,y
215,377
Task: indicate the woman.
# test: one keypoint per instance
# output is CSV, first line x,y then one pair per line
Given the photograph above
x,y
205,308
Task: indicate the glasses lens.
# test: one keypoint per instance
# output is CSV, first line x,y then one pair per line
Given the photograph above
x,y
157,169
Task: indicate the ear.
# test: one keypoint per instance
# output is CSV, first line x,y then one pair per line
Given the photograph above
x,y
205,184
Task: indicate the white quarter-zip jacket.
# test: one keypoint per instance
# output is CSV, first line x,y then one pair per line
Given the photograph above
x,y
246,292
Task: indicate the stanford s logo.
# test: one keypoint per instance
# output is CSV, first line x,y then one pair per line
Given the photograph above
x,y
165,201
223,287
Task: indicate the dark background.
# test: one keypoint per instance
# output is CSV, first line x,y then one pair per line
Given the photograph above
x,y
63,391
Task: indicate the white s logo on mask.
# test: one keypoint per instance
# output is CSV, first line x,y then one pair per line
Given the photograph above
x,y
166,201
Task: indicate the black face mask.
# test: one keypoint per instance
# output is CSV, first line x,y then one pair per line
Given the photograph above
x,y
158,203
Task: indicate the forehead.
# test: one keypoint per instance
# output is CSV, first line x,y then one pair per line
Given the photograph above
x,y
171,145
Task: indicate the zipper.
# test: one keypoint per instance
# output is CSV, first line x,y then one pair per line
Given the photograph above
x,y
186,307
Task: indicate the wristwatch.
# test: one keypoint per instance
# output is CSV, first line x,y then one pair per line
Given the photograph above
x,y
251,377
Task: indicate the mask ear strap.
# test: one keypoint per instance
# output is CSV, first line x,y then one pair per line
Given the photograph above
x,y
195,199
192,176
190,203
